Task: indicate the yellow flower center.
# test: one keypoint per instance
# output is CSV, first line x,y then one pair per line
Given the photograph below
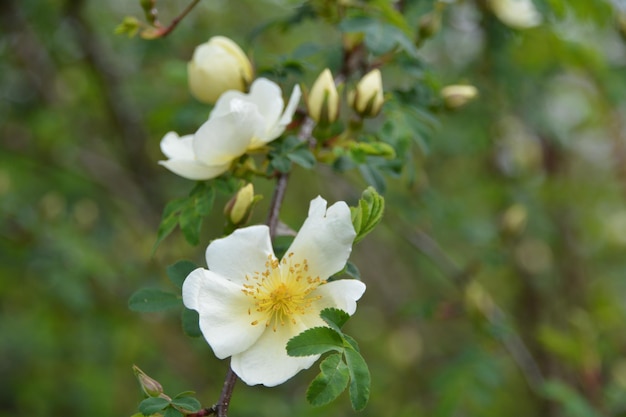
x,y
282,292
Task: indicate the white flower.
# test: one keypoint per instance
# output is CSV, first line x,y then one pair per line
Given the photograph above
x,y
519,14
217,66
238,123
250,303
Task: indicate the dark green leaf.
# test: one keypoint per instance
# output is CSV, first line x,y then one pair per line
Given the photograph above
x,y
169,220
179,271
373,177
152,299
190,224
191,323
359,379
281,164
172,412
331,382
302,157
315,341
187,403
335,318
152,405
203,197
185,394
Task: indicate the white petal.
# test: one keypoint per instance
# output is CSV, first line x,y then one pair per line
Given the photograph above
x,y
325,239
226,313
174,146
267,362
194,170
268,98
226,137
245,251
342,294
279,126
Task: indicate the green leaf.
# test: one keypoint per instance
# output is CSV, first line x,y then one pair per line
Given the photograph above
x,y
191,323
574,403
187,403
172,412
331,382
359,379
185,394
169,219
190,223
315,341
152,405
368,213
335,318
351,342
152,299
302,157
281,163
179,271
380,37
203,197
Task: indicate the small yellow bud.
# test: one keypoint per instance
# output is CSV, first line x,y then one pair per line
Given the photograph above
x,y
217,66
367,98
239,207
455,96
323,99
150,386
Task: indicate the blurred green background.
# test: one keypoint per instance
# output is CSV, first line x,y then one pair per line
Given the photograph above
x,y
496,283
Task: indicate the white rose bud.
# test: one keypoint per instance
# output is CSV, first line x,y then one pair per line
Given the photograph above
x,y
455,96
217,66
367,99
239,207
323,99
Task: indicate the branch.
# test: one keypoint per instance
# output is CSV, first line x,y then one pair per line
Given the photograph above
x,y
161,32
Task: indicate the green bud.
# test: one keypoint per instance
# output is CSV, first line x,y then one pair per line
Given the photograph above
x,y
239,207
150,386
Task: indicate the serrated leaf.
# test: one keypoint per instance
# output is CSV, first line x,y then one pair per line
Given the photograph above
x,y
331,382
360,379
152,405
191,323
315,341
179,271
187,403
369,213
335,318
152,299
352,342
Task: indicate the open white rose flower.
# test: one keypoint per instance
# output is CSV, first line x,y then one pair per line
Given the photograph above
x,y
250,303
238,123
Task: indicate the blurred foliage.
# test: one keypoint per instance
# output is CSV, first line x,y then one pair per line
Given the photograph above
x,y
503,240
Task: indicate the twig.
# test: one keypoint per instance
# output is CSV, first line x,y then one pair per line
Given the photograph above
x,y
277,201
162,32
512,342
227,393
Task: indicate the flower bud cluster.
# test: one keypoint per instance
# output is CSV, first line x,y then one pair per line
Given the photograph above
x,y
366,99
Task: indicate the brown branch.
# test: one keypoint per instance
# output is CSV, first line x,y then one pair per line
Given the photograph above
x,y
162,32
